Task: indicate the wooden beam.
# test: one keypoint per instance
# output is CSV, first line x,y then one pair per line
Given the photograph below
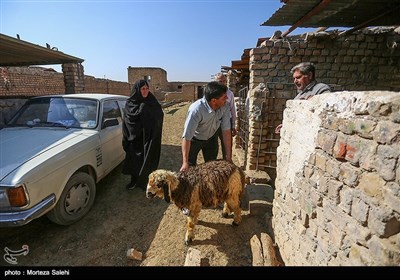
x,y
310,14
366,23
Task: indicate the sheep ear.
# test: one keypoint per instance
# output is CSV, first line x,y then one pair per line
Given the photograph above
x,y
166,192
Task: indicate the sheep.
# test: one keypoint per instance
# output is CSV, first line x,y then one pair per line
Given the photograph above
x,y
205,185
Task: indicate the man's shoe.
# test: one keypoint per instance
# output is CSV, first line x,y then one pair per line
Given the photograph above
x,y
130,186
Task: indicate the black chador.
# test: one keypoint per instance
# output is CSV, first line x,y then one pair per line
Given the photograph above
x,y
142,129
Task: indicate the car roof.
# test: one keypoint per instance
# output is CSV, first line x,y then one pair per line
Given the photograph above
x,y
97,96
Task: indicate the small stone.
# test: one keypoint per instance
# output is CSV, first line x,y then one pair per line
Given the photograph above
x,y
134,254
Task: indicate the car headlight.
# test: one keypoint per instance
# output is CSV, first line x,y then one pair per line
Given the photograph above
x,y
13,197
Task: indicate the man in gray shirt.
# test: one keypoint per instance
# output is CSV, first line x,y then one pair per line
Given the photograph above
x,y
304,80
203,119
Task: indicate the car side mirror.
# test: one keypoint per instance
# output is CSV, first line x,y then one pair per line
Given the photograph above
x,y
110,122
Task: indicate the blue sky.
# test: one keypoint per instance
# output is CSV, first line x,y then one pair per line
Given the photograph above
x,y
191,40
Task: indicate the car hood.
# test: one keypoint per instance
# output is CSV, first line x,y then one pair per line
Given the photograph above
x,y
19,145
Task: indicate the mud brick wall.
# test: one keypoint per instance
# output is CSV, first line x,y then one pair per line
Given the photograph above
x,y
158,77
366,60
106,86
337,196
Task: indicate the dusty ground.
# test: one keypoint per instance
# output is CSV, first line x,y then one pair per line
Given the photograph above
x,y
122,219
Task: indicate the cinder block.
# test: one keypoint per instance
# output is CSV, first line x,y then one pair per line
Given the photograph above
x,y
260,198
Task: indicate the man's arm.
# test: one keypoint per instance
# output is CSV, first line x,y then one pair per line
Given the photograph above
x,y
185,154
227,139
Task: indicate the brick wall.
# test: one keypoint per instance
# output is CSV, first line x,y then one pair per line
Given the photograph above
x,y
30,81
366,60
20,83
106,86
337,196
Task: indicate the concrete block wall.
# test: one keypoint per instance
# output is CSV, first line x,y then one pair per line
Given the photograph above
x,y
337,196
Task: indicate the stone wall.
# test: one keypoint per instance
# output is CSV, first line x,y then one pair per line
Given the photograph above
x,y
337,196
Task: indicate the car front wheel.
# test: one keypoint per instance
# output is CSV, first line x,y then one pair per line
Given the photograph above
x,y
75,201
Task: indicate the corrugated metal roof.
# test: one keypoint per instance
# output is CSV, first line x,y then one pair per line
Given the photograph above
x,y
16,52
337,13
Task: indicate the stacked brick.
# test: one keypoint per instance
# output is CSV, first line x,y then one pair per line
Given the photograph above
x,y
73,77
24,82
337,197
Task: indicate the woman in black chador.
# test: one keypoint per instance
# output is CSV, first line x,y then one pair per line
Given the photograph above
x,y
142,129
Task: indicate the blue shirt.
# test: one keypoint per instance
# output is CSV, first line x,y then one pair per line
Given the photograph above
x,y
203,122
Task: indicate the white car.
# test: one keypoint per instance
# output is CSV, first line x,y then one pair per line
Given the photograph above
x,y
54,151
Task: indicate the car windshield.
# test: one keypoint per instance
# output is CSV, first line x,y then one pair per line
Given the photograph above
x,y
57,112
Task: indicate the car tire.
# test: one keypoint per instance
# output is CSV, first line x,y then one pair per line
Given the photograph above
x,y
75,201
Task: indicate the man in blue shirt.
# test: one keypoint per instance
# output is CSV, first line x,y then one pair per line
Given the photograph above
x,y
203,119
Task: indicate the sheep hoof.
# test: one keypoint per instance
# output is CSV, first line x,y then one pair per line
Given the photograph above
x,y
188,242
234,224
225,215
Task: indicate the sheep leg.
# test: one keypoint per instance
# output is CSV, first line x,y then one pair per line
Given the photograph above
x,y
191,222
234,206
237,216
226,211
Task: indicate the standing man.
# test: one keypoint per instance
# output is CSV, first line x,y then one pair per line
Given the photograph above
x,y
306,84
220,77
205,116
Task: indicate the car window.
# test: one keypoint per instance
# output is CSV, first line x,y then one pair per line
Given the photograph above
x,y
84,110
111,110
58,111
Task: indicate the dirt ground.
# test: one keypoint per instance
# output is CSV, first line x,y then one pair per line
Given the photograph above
x,y
121,219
